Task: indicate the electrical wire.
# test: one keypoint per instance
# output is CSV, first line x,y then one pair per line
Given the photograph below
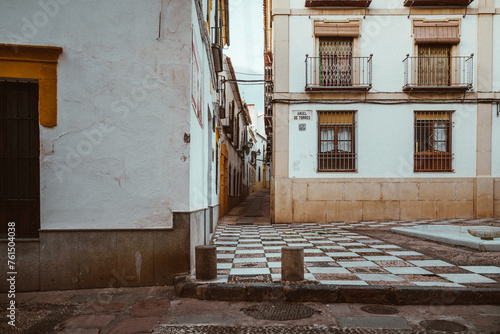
x,y
388,101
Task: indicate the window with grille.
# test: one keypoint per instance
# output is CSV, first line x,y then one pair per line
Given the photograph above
x,y
434,62
433,141
336,141
335,61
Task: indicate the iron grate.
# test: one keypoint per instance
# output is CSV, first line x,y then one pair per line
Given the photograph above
x,y
279,312
379,309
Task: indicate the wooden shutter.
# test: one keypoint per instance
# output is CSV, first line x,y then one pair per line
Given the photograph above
x,y
445,33
337,29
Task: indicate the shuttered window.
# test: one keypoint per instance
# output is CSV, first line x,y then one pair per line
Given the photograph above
x,y
336,142
335,55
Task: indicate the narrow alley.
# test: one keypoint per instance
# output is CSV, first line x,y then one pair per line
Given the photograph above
x,y
253,210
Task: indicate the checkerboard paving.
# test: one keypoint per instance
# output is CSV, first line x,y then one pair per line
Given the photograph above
x,y
335,255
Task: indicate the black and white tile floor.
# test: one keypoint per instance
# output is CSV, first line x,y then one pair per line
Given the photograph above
x,y
335,254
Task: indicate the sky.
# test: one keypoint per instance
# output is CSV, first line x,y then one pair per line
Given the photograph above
x,y
246,34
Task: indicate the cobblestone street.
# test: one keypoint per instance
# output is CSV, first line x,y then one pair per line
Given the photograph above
x,y
158,310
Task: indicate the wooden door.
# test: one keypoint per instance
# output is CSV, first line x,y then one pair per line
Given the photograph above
x,y
19,158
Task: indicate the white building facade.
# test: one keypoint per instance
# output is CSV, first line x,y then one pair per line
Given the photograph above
x,y
384,110
122,135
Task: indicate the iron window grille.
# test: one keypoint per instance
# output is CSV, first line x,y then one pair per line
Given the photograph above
x,y
336,141
433,145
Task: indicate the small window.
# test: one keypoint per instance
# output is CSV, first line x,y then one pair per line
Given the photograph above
x,y
336,141
433,141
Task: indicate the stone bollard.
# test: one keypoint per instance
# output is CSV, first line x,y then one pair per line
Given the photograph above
x,y
206,262
292,263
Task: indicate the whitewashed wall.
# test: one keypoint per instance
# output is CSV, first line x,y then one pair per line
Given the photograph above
x,y
200,154
384,137
117,158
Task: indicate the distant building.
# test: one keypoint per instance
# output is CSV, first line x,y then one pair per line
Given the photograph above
x,y
108,138
383,110
260,147
232,145
261,167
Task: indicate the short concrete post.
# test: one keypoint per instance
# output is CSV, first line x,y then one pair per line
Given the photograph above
x,y
292,263
206,262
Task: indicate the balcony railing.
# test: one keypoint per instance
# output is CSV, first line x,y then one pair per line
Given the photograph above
x,y
338,73
449,74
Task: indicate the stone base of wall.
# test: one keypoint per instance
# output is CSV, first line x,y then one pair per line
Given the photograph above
x,y
84,259
333,200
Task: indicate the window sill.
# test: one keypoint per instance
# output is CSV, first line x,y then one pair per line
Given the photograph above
x,y
437,3
341,89
338,3
436,89
433,171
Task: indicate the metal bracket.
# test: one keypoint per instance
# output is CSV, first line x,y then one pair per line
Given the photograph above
x,y
498,109
409,12
465,14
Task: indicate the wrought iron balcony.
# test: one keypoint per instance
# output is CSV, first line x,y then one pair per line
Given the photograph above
x,y
432,73
338,73
338,3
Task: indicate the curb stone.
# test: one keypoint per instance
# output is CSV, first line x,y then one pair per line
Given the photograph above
x,y
339,294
